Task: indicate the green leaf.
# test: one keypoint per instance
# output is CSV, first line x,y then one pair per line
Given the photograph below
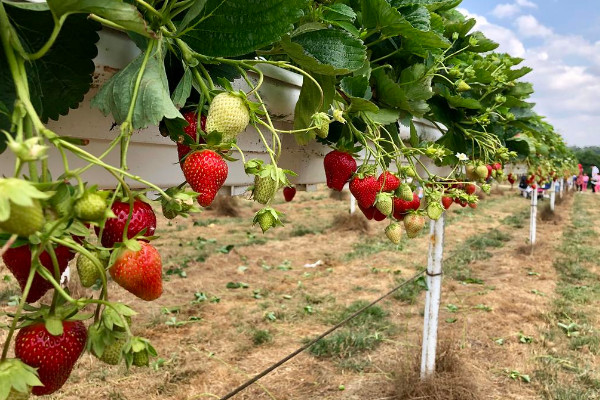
x,y
308,102
326,51
521,89
410,94
192,13
414,136
384,116
483,44
418,16
356,86
183,90
338,12
431,5
153,102
122,14
457,101
378,14
522,144
230,28
59,80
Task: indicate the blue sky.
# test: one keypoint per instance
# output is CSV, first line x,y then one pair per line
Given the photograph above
x,y
560,40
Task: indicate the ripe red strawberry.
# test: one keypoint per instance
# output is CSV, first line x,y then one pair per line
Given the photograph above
x,y
339,168
489,169
473,205
470,188
400,208
53,356
206,172
414,204
18,261
364,190
191,130
388,181
142,218
369,212
497,166
288,193
378,215
139,272
447,202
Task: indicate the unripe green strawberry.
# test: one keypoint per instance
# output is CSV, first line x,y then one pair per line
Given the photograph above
x,y
264,189
24,220
481,171
266,221
405,192
394,232
413,223
113,352
435,211
321,123
141,358
87,271
227,114
471,172
384,203
462,86
409,171
91,207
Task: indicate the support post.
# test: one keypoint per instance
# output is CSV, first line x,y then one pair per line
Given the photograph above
x,y
552,195
563,187
533,217
352,204
433,297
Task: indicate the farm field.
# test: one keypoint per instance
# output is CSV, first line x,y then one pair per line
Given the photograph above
x,y
236,301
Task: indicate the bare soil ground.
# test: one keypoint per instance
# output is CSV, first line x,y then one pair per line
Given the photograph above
x,y
235,301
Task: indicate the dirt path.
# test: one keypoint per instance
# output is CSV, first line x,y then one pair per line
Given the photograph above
x,y
211,337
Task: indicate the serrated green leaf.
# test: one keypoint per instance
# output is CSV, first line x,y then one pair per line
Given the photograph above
x,y
418,16
230,28
338,12
431,5
54,88
356,86
153,101
483,43
522,144
379,14
117,11
410,94
457,101
384,116
326,51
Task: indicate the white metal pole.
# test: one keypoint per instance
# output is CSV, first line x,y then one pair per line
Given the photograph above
x,y
552,195
433,297
533,216
562,187
352,204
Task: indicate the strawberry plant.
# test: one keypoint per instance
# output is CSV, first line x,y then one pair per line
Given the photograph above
x,y
370,68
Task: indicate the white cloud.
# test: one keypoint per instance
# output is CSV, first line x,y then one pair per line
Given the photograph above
x,y
506,10
529,26
566,74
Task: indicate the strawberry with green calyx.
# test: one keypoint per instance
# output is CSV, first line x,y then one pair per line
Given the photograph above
x,y
388,181
138,352
267,218
18,261
339,167
471,172
413,224
206,172
486,188
54,356
405,192
267,179
384,203
88,271
190,134
143,222
113,352
111,328
462,86
180,202
228,114
321,121
137,268
21,212
470,188
288,193
364,186
435,210
17,379
394,232
92,205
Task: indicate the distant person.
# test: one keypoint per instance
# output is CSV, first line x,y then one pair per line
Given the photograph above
x,y
594,182
586,179
595,170
579,182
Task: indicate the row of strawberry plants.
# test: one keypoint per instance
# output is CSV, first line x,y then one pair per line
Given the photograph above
x,y
370,68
